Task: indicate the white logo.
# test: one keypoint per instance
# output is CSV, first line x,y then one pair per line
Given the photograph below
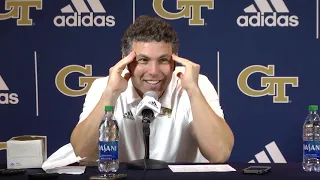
x,y
83,16
7,98
266,16
273,152
3,85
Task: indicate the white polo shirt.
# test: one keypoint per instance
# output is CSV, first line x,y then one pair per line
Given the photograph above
x,y
169,139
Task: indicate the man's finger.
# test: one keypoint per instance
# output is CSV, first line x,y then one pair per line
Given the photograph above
x,y
180,60
125,61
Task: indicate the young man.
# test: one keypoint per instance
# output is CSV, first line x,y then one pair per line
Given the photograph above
x,y
192,129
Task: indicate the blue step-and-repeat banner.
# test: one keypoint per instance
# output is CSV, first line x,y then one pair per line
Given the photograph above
x,y
261,55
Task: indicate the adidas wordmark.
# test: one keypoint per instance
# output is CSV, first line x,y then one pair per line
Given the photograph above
x,y
265,16
83,16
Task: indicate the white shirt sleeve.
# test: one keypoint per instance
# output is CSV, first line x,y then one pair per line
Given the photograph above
x,y
93,97
211,95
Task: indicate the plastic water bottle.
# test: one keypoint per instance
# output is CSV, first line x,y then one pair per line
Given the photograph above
x,y
311,141
108,143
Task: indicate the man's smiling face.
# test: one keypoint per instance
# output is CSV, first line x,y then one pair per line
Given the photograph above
x,y
153,67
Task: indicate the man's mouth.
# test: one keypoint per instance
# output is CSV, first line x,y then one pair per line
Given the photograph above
x,y
153,82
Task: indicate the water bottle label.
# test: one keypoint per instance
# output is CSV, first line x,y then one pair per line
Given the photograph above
x,y
312,149
108,150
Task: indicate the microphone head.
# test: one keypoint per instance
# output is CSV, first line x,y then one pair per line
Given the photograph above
x,y
149,103
151,94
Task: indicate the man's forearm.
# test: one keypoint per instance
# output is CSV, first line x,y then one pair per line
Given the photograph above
x,y
212,133
85,136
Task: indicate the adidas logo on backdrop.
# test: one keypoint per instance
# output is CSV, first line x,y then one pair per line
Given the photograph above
x,y
274,153
92,14
6,97
265,15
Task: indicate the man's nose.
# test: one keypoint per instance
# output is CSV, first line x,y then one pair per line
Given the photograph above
x,y
153,68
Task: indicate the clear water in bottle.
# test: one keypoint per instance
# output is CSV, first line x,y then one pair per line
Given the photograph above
x,y
311,141
108,143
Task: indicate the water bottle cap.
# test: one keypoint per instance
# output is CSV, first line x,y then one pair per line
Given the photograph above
x,y
313,108
108,108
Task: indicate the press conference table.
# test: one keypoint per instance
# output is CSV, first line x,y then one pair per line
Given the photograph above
x,y
279,171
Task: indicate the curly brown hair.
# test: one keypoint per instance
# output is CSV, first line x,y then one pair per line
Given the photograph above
x,y
146,29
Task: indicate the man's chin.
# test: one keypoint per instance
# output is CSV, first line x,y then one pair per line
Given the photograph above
x,y
159,93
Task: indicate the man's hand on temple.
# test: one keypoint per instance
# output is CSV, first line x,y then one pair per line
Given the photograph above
x,y
189,79
116,83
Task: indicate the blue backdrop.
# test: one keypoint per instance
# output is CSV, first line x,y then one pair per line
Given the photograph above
x,y
261,56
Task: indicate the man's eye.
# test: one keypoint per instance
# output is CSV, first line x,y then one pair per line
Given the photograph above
x,y
142,60
164,61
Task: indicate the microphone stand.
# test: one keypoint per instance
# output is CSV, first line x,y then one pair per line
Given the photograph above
x,y
147,163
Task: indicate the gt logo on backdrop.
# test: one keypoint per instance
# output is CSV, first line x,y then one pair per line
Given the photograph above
x,y
84,82
265,15
274,86
20,10
5,97
83,16
189,9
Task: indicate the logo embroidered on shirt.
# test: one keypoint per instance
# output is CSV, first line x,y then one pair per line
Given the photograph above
x,y
128,115
165,112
